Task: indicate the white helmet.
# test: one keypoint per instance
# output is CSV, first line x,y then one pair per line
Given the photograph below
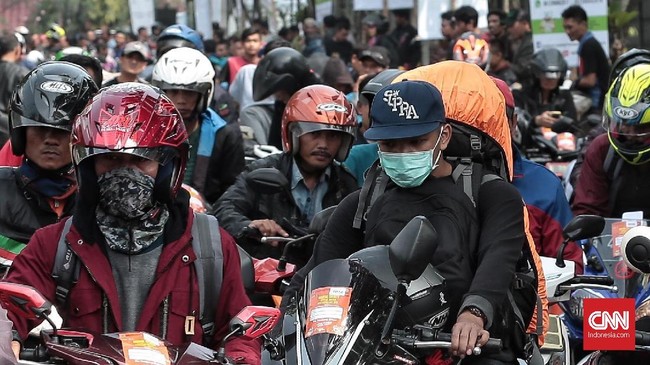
x,y
185,69
636,249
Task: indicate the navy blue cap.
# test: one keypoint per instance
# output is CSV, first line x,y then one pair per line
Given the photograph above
x,y
404,110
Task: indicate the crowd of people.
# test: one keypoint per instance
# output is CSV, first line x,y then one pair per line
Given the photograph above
x,y
145,114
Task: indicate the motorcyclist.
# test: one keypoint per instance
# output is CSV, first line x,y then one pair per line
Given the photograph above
x,y
318,129
217,155
409,122
615,166
281,72
544,96
471,48
543,193
41,190
132,230
174,36
11,72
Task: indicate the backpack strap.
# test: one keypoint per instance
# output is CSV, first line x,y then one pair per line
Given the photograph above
x,y
612,166
373,187
66,266
206,242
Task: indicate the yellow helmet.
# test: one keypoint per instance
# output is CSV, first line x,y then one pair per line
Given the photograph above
x,y
626,114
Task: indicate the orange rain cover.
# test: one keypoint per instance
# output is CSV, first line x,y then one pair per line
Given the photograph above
x,y
470,97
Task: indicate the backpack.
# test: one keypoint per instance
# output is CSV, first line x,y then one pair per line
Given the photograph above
x,y
206,243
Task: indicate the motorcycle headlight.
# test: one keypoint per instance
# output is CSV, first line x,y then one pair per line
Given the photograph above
x,y
575,306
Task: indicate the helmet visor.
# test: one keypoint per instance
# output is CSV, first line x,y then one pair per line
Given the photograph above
x,y
552,75
162,155
18,121
299,129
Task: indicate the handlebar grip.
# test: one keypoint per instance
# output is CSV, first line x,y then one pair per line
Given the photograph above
x,y
642,338
250,233
592,279
492,345
35,354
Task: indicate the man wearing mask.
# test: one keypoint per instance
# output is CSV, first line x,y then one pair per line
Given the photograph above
x,y
132,232
41,190
217,154
318,128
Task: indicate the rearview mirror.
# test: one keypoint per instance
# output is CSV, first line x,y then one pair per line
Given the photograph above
x,y
267,180
318,223
254,321
412,249
24,301
584,226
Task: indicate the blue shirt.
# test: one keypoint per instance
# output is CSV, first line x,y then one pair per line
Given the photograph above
x,y
308,201
361,157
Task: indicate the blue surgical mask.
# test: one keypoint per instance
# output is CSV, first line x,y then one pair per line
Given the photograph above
x,y
409,169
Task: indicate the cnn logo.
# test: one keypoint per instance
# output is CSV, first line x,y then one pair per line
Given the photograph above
x,y
607,324
602,320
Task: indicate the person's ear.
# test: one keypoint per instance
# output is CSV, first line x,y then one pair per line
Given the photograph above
x,y
446,132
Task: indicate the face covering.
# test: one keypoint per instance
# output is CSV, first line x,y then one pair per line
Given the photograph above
x,y
410,169
126,213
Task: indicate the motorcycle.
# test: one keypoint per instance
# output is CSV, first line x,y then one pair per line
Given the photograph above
x,y
70,346
606,256
358,311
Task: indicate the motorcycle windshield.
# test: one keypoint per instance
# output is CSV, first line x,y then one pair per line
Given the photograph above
x,y
608,245
339,299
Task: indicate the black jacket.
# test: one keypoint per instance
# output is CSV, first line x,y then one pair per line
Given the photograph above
x,y
23,211
10,76
240,205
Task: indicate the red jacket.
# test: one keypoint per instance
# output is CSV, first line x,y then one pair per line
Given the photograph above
x,y
592,188
33,266
7,157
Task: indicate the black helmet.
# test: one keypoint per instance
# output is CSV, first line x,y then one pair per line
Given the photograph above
x,y
283,68
549,62
382,79
630,58
376,20
51,95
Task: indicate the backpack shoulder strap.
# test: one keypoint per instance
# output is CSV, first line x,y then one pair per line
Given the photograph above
x,y
373,187
470,176
66,266
612,166
206,242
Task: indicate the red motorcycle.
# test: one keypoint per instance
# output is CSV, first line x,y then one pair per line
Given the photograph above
x,y
68,346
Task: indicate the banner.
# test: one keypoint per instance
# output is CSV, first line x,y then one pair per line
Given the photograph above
x,y
379,4
142,14
203,18
323,9
548,29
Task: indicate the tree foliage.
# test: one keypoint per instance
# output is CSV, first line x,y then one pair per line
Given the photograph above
x,y
74,14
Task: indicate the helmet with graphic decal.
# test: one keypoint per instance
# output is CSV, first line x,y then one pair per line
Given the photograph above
x,y
628,59
316,108
186,69
50,96
626,115
135,119
471,48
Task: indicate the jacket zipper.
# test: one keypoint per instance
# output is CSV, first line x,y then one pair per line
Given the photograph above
x,y
165,318
105,312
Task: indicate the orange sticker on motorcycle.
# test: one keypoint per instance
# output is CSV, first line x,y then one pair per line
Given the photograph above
x,y
143,349
618,231
328,311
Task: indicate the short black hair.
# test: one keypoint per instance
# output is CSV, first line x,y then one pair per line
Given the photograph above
x,y
87,62
500,13
275,43
283,32
248,32
294,28
8,42
576,12
329,21
448,15
466,14
261,23
343,23
209,45
404,13
141,29
497,46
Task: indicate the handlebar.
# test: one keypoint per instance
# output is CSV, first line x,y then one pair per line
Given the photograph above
x,y
611,288
443,340
592,279
36,354
642,338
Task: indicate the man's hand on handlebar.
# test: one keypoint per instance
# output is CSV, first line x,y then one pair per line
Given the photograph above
x,y
467,333
269,227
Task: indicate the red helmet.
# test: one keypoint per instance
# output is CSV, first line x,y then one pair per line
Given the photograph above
x,y
471,48
136,119
314,108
